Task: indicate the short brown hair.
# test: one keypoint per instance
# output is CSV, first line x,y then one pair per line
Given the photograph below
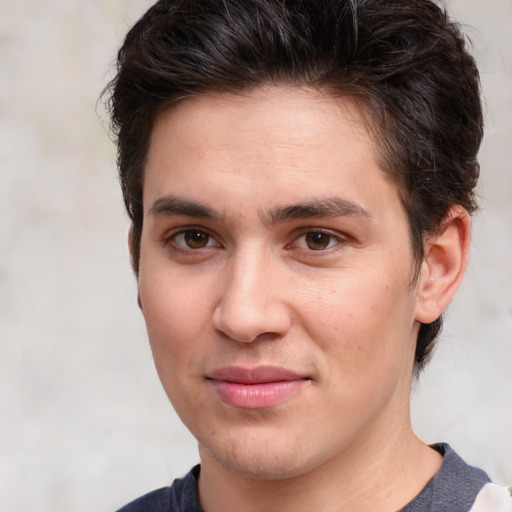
x,y
405,60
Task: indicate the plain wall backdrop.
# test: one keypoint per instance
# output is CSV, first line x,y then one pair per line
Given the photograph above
x,y
84,424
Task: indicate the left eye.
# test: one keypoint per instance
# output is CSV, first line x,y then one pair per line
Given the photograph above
x,y
317,241
193,239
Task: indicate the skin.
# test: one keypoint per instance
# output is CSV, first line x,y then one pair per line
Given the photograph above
x,y
230,276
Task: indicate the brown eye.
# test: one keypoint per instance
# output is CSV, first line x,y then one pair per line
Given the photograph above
x,y
196,239
317,241
192,239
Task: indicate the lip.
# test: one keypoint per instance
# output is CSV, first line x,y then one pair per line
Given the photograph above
x,y
260,387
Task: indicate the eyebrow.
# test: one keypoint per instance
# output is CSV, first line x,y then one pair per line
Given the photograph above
x,y
329,207
173,205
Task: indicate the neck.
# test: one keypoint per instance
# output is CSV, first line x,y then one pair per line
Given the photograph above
x,y
354,480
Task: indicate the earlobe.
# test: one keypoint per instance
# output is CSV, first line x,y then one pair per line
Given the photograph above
x,y
443,266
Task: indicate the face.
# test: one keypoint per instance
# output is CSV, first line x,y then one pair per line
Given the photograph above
x,y
275,280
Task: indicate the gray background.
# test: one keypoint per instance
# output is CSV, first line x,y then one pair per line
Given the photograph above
x,y
84,424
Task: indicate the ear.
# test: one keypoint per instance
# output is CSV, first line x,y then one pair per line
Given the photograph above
x,y
133,256
443,266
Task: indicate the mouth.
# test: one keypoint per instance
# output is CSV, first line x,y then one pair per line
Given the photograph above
x,y
261,387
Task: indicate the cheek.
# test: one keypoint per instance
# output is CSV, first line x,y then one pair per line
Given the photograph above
x,y
175,300
174,332
173,318
365,322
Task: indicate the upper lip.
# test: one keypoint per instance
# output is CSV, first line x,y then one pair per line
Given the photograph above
x,y
255,375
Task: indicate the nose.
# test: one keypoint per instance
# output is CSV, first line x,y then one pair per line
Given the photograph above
x,y
252,303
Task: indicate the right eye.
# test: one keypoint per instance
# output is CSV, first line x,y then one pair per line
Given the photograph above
x,y
193,239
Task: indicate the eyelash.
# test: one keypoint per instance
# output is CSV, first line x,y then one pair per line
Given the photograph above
x,y
333,242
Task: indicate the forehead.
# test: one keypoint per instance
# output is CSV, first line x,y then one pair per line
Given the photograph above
x,y
264,119
278,107
296,142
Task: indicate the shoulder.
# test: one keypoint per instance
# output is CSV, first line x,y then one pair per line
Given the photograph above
x,y
459,487
466,488
493,498
181,496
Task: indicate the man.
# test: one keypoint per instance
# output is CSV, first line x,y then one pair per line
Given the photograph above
x,y
300,176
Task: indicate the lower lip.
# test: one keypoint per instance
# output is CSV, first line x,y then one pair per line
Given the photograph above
x,y
256,396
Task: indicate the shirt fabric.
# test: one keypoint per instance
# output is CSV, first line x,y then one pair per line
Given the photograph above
x,y
456,487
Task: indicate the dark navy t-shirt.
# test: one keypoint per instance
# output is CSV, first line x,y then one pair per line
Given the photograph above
x,y
452,489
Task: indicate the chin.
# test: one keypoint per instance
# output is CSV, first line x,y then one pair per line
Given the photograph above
x,y
263,460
